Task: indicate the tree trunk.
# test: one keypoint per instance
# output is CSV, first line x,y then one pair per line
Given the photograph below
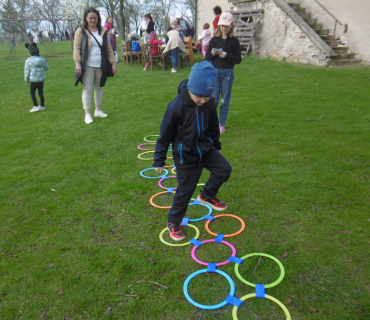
x,y
122,17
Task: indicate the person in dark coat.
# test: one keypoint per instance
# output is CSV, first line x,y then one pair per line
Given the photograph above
x,y
145,32
191,125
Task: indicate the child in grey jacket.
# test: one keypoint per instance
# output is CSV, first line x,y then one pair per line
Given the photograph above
x,y
34,73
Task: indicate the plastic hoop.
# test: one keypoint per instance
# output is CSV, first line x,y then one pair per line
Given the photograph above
x,y
202,306
217,264
270,285
252,295
204,205
197,233
150,151
226,235
140,148
198,185
160,181
173,171
151,135
144,176
157,194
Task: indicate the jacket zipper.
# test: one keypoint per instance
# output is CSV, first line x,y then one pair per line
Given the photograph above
x,y
202,122
200,153
179,150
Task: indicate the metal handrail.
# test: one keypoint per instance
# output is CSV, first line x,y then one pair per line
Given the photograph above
x,y
335,25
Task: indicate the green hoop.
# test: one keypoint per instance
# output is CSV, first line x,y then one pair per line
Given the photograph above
x,y
270,285
145,152
252,295
152,135
150,151
182,244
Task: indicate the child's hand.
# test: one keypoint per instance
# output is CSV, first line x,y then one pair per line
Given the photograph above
x,y
28,83
223,54
214,52
159,170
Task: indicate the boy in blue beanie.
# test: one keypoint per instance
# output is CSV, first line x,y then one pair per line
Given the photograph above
x,y
191,125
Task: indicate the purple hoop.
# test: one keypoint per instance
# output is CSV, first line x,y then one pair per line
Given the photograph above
x,y
217,264
160,182
139,146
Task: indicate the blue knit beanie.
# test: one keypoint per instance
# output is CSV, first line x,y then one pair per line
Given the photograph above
x,y
202,79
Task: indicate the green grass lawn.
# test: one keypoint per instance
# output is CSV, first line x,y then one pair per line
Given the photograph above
x,y
78,235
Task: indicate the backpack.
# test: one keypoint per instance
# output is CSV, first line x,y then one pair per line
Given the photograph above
x,y
190,32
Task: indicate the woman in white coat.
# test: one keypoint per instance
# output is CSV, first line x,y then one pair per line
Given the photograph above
x,y
175,46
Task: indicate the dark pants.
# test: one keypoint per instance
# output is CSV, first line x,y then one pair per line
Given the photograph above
x,y
187,180
40,87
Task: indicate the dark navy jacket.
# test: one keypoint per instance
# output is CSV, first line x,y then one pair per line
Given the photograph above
x,y
193,131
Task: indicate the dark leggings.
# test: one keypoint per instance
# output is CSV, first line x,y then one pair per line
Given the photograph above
x,y
40,87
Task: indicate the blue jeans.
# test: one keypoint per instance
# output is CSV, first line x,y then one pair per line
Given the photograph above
x,y
223,84
175,57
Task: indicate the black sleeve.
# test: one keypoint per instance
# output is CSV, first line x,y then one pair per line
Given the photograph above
x,y
209,55
168,130
150,27
236,56
214,129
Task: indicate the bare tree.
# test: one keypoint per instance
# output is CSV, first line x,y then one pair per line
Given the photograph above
x,y
187,9
47,10
161,10
135,12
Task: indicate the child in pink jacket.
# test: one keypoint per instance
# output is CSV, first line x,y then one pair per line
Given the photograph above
x,y
205,37
155,51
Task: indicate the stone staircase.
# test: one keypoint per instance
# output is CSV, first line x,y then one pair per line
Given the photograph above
x,y
342,55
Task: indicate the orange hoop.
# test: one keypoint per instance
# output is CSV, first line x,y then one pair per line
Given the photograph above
x,y
226,235
157,194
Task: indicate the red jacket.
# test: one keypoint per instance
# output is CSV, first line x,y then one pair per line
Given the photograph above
x,y
155,43
215,22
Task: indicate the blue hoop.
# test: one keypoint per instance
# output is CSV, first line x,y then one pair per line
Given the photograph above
x,y
159,177
204,205
202,306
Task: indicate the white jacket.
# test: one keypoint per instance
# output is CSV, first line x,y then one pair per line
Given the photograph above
x,y
174,41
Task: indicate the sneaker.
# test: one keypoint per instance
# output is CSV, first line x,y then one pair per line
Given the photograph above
x,y
35,109
41,108
160,64
101,114
173,70
176,232
88,118
222,129
213,202
145,69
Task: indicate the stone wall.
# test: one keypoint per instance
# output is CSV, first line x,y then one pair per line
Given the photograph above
x,y
278,37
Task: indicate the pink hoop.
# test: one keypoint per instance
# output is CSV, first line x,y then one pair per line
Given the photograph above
x,y
139,146
217,264
160,182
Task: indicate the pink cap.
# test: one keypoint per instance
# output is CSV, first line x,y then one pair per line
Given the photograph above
x,y
153,35
226,19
